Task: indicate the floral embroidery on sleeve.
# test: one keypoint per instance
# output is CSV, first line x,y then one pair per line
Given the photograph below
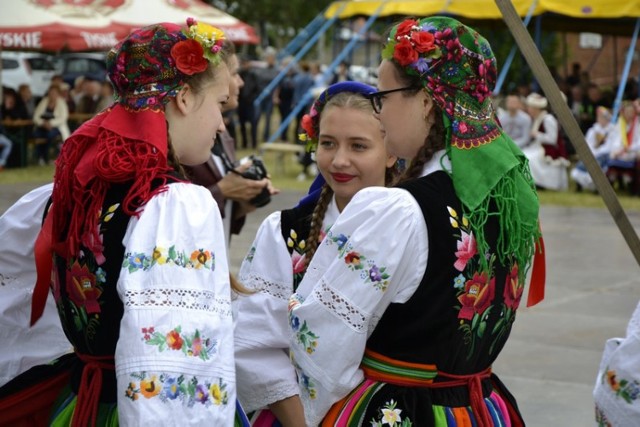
x,y
304,336
629,390
370,273
197,259
390,415
169,387
193,345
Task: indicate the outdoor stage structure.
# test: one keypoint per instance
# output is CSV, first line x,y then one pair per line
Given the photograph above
x,y
97,25
607,17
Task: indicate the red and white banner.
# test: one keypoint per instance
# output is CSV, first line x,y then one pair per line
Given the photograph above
x,y
86,25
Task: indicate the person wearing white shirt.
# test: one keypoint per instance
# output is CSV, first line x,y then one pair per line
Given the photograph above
x,y
515,121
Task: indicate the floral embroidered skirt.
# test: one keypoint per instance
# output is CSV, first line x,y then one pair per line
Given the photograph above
x,y
378,404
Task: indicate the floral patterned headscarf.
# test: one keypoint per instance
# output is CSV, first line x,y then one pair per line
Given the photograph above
x,y
491,176
128,141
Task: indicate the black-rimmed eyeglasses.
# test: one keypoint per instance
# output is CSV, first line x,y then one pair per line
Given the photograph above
x,y
377,97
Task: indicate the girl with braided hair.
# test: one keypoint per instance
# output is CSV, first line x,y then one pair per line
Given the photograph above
x,y
134,253
412,294
350,154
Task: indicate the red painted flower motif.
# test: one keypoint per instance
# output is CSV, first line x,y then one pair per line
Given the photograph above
x,y
513,289
405,27
423,41
404,53
352,258
174,340
81,285
477,297
307,125
466,250
189,57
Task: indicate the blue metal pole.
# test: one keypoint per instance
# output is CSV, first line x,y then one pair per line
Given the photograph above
x,y
512,53
308,97
625,73
276,81
301,37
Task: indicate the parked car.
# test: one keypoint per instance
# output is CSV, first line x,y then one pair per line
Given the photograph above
x,y
87,64
32,68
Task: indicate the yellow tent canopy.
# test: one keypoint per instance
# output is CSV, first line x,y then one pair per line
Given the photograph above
x,y
600,16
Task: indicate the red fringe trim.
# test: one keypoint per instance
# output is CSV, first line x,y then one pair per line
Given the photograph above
x,y
77,207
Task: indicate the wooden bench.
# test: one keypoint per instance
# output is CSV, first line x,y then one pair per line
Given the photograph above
x,y
281,149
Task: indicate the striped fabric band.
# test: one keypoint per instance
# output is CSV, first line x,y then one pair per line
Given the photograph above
x,y
382,368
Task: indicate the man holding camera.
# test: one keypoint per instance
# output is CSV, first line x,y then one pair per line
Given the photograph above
x,y
238,189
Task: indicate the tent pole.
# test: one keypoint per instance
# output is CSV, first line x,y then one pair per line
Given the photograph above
x,y
512,53
569,124
625,72
276,81
538,41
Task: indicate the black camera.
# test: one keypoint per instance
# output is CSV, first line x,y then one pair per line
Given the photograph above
x,y
256,172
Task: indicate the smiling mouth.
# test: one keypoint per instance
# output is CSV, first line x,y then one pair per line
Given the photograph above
x,y
342,177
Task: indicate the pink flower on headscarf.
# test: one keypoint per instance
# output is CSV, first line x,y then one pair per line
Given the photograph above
x,y
466,250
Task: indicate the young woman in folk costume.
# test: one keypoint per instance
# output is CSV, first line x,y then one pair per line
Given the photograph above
x,y
135,252
412,294
351,155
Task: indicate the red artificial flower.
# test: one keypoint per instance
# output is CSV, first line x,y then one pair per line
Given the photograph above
x,y
423,41
404,53
477,297
189,57
405,27
307,125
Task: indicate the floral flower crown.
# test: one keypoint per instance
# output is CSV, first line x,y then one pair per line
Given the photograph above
x,y
202,46
310,124
413,45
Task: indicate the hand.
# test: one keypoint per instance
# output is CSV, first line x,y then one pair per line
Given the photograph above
x,y
240,189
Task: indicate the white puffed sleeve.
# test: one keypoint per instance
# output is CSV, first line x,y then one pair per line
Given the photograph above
x,y
264,373
174,359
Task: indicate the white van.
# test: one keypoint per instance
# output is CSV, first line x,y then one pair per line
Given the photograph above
x,y
32,68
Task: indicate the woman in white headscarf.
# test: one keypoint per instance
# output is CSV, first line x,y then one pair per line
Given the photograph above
x,y
546,153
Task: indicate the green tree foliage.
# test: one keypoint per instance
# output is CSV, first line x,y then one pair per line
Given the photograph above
x,y
276,20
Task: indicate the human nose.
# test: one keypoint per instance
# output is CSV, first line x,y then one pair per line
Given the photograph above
x,y
341,158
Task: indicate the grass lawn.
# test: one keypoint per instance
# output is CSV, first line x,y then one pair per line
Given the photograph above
x,y
287,181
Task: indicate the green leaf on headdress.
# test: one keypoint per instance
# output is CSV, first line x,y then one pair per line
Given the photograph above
x,y
387,52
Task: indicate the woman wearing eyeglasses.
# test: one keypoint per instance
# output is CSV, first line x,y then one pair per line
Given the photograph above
x,y
412,294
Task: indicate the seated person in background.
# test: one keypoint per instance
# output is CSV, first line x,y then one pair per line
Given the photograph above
x,y
106,96
599,140
50,120
88,102
515,121
625,145
5,146
24,90
546,149
13,107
